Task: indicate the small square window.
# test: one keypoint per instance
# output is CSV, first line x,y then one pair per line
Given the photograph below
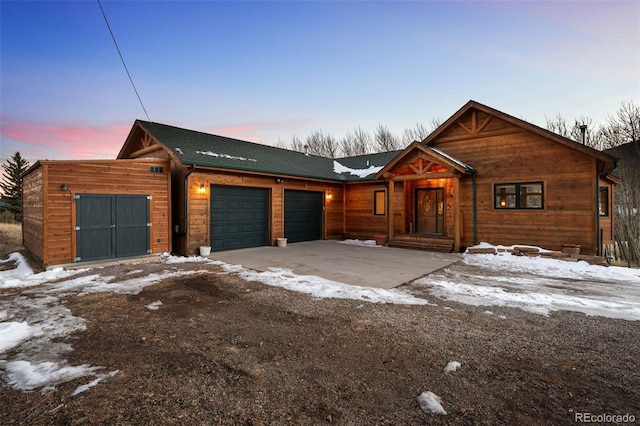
x,y
379,203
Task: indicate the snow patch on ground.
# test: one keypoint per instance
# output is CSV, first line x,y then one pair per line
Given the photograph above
x,y
12,333
100,377
451,366
23,276
154,306
431,403
27,376
356,242
35,323
538,285
322,288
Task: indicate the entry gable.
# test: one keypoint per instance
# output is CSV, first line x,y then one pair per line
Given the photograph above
x,y
420,161
142,144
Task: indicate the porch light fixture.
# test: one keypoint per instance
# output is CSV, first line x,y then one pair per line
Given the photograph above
x,y
201,190
64,187
328,196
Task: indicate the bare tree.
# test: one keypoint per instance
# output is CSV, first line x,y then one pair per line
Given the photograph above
x,y
356,143
623,133
319,143
561,126
622,128
435,123
294,145
417,133
384,140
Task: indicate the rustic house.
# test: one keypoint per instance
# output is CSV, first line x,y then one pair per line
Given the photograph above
x,y
483,175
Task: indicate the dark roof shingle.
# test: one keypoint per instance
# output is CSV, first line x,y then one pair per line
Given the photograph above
x,y
204,149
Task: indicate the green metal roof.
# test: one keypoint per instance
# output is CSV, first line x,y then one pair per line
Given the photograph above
x,y
204,149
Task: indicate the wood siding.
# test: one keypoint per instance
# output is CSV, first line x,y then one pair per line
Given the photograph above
x,y
503,153
360,221
198,229
33,213
58,245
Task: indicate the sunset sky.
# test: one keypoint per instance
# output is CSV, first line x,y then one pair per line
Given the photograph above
x,y
264,71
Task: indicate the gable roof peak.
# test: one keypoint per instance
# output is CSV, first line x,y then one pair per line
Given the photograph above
x,y
605,160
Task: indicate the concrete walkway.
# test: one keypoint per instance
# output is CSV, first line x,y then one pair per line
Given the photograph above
x,y
380,267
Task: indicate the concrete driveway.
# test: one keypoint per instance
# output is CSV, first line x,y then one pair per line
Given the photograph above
x,y
367,266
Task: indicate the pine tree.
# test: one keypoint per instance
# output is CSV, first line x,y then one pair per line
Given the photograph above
x,y
11,184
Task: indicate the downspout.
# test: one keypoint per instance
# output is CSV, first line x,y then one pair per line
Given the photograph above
x,y
475,210
598,176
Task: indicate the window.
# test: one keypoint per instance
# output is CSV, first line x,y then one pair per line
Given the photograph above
x,y
604,201
519,196
379,205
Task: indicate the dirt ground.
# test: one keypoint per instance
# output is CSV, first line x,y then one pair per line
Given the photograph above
x,y
220,350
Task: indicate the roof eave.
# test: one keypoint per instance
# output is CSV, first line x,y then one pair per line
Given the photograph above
x,y
257,171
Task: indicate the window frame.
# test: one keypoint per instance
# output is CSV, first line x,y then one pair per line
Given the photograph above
x,y
379,206
603,212
500,197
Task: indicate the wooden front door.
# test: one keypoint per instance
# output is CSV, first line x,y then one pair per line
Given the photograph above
x,y
430,210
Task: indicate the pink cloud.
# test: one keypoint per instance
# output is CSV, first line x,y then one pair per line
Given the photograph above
x,y
66,141
256,131
238,131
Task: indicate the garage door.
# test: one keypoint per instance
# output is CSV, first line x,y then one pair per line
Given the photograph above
x,y
239,217
110,226
302,215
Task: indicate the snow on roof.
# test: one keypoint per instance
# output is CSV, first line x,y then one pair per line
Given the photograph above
x,y
362,173
227,156
450,158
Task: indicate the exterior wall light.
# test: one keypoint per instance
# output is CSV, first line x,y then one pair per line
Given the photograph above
x,y
328,196
202,189
64,187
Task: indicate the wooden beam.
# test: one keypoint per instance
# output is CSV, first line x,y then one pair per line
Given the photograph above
x,y
501,132
391,212
474,121
440,175
415,169
147,140
144,151
465,128
484,124
456,215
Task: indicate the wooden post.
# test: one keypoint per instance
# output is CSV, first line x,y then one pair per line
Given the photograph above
x,y
391,212
456,214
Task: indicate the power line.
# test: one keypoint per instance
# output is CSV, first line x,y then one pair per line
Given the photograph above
x,y
122,59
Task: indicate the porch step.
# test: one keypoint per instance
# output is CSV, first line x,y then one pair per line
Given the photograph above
x,y
423,243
